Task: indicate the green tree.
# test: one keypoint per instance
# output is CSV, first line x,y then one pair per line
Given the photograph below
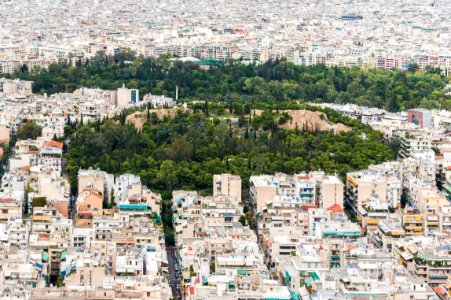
x,y
29,130
60,281
168,174
39,202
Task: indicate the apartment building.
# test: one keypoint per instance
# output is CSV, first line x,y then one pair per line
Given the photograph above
x,y
16,87
362,187
126,96
50,156
411,145
420,117
426,258
330,191
10,208
216,248
228,185
131,195
296,191
97,180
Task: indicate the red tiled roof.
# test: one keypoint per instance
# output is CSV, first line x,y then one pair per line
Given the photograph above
x,y
336,208
125,242
439,290
350,246
307,207
6,200
53,144
191,290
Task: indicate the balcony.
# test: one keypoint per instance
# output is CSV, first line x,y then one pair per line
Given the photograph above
x,y
372,221
413,228
438,277
420,270
306,195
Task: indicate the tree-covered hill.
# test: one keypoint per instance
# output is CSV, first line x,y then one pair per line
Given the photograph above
x,y
184,151
272,82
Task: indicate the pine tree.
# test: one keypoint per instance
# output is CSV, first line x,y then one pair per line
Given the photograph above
x,y
393,105
206,108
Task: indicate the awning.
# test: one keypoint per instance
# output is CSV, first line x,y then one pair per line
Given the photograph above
x,y
362,211
45,256
406,256
132,207
243,272
412,249
287,276
314,276
447,187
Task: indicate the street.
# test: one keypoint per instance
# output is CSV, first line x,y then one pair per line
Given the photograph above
x,y
174,279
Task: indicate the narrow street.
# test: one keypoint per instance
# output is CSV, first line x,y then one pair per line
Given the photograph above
x,y
174,278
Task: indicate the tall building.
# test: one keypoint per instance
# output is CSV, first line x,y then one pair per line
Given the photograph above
x,y
296,191
126,96
227,184
420,117
363,187
98,180
331,191
17,87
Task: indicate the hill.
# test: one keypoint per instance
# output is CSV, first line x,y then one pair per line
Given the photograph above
x,y
236,83
184,150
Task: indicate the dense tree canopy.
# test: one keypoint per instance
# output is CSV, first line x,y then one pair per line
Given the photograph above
x,y
184,151
29,130
272,82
